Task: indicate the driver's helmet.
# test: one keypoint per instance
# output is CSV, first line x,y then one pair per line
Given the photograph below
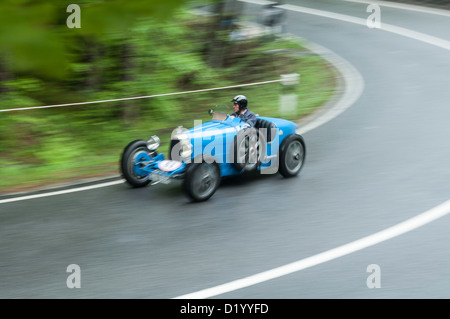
x,y
241,100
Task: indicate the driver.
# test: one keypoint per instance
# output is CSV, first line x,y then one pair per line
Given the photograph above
x,y
240,110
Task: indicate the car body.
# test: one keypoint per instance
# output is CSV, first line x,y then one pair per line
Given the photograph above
x,y
207,152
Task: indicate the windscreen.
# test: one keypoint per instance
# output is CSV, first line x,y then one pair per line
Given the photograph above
x,y
219,116
221,111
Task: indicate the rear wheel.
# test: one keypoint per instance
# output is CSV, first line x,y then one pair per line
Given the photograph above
x,y
201,180
132,160
292,155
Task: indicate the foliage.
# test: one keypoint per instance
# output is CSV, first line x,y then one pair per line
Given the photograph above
x,y
34,36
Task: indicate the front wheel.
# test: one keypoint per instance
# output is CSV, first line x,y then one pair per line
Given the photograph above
x,y
131,162
292,155
201,180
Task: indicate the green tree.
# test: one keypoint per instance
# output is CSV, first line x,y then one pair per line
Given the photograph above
x,y
34,37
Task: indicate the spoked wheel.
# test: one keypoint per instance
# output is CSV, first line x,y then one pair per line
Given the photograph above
x,y
292,155
201,180
249,149
133,158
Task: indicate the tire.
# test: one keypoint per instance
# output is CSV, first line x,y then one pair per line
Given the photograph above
x,y
174,144
134,153
249,148
292,155
201,180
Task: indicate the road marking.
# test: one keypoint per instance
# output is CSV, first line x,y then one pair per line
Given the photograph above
x,y
401,6
321,13
353,86
404,6
426,38
391,232
259,2
66,191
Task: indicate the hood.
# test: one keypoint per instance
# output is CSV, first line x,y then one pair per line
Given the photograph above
x,y
211,128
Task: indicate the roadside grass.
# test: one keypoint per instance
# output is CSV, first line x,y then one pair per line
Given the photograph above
x,y
59,145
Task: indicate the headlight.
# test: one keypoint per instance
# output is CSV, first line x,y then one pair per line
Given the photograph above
x,y
186,150
153,143
181,137
186,146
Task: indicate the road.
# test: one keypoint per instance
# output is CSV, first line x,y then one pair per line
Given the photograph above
x,y
381,162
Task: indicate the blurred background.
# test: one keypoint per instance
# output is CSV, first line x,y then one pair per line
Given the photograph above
x,y
127,49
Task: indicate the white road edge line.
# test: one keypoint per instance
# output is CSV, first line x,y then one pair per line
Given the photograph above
x,y
444,44
66,191
404,6
259,2
401,6
353,88
394,231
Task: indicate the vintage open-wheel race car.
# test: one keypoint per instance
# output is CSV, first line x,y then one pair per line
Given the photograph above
x,y
223,146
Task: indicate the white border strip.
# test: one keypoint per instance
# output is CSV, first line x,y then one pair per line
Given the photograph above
x,y
353,86
259,2
404,6
394,231
321,13
401,6
444,44
66,191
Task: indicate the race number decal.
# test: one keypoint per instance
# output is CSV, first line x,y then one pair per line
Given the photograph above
x,y
168,165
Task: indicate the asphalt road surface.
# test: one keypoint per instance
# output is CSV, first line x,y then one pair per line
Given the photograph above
x,y
381,162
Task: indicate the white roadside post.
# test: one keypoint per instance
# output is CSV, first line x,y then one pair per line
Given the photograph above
x,y
287,107
288,96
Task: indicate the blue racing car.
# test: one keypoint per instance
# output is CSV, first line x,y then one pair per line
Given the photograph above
x,y
224,146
